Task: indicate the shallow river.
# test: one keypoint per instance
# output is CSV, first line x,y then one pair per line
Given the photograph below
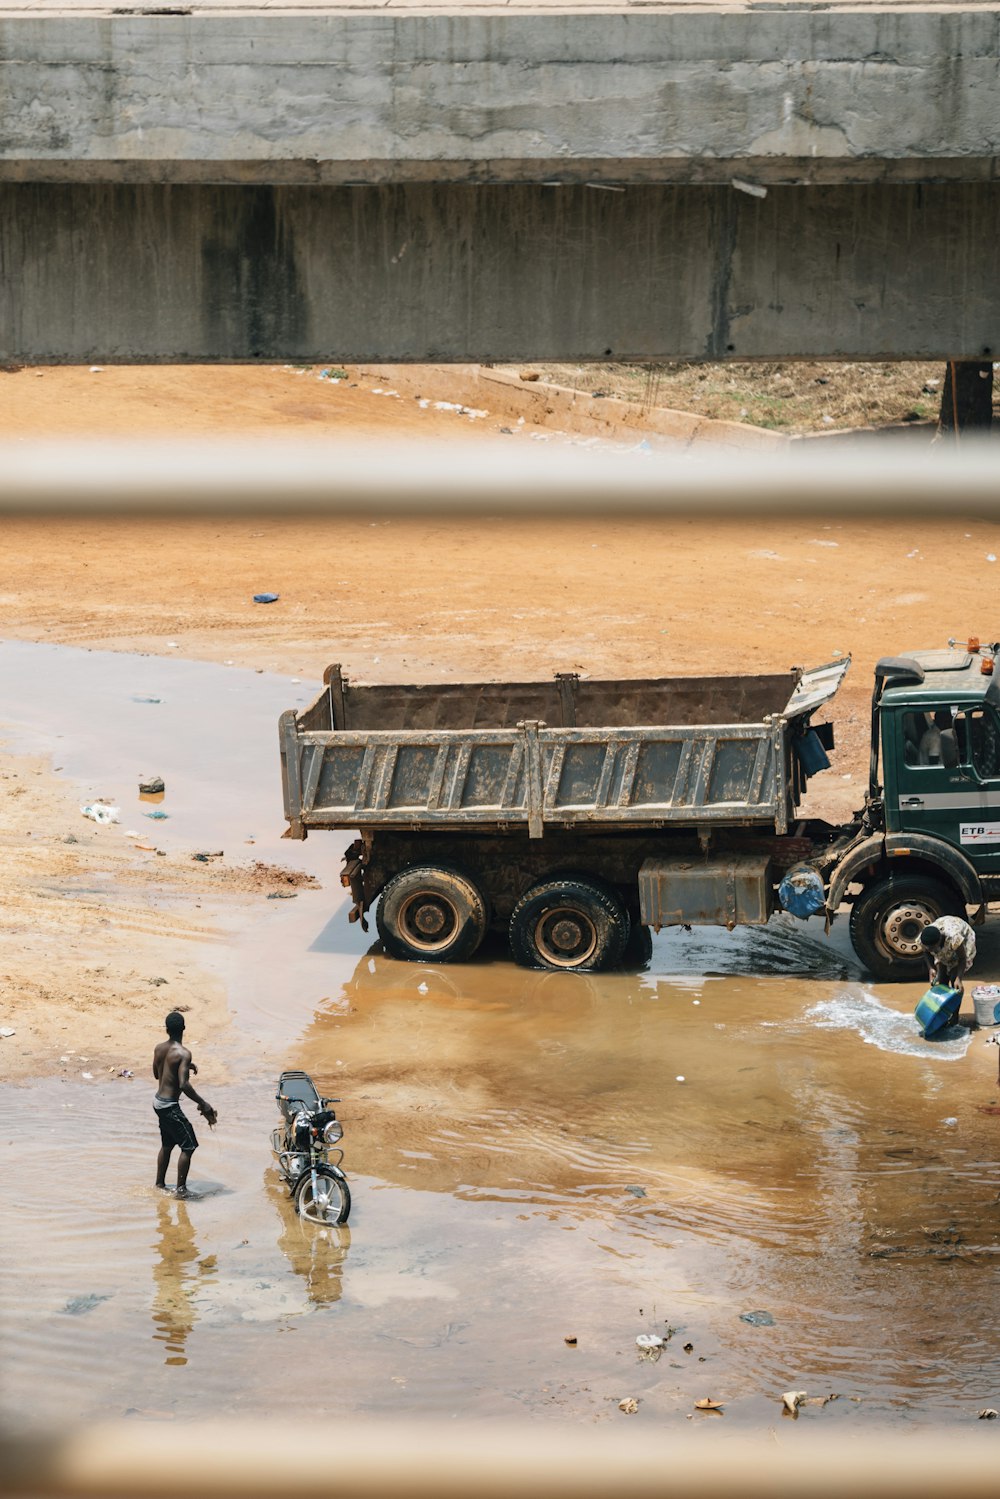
x,y
745,1127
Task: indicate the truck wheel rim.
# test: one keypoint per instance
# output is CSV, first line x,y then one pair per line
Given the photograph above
x,y
428,920
565,937
902,926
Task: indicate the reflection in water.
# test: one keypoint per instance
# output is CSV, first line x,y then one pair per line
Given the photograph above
x,y
176,1273
317,1254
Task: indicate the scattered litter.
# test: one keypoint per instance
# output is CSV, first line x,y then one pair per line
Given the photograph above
x,y
96,369
204,858
680,1079
152,785
171,645
507,431
88,1075
157,982
708,1405
146,848
757,1319
147,700
765,552
102,812
688,1347
282,895
71,838
628,1407
792,1399
296,681
991,556
650,1346
80,1304
636,1191
818,543
989,1414
266,598
914,553
132,833
7,1030
570,1342
157,815
124,1072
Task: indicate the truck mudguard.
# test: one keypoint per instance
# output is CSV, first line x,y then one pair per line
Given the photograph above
x,y
897,846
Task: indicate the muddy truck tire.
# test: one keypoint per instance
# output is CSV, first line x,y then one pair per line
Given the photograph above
x,y
432,913
574,922
888,917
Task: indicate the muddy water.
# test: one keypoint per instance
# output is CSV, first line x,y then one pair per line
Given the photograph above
x,y
743,1127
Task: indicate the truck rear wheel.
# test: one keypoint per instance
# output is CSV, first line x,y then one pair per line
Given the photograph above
x,y
570,923
888,917
432,913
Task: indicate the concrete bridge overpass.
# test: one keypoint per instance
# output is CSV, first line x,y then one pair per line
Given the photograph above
x,y
407,181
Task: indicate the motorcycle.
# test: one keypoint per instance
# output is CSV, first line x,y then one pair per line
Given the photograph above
x,y
302,1146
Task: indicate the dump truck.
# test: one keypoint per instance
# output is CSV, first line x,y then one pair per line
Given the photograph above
x,y
574,815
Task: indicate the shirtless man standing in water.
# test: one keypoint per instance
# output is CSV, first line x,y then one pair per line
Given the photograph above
x,y
172,1067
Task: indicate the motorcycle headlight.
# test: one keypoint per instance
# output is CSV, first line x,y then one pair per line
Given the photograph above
x,y
333,1132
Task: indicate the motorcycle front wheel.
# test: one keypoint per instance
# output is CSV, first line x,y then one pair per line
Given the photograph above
x,y
329,1201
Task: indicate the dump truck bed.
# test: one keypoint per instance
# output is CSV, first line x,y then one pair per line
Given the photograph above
x,y
603,755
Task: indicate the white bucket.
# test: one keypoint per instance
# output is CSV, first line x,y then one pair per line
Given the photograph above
x,y
986,1003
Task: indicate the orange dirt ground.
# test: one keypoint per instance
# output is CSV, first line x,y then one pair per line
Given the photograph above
x,y
420,599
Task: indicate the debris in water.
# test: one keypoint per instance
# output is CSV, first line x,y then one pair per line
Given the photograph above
x,y
636,1191
88,1075
147,700
708,1405
650,1340
101,812
266,598
989,1414
629,1406
792,1399
157,816
80,1304
757,1319
570,1342
151,785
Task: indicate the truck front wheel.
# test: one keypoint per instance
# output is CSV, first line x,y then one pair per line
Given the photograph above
x,y
573,922
888,917
431,913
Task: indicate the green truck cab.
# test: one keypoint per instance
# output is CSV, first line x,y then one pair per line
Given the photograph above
x,y
929,842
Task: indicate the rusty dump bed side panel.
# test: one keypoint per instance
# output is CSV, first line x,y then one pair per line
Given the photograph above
x,y
567,702
509,756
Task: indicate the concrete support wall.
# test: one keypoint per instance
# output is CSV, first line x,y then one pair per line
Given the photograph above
x,y
791,92
453,272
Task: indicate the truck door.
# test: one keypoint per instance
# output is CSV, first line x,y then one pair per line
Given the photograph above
x,y
958,802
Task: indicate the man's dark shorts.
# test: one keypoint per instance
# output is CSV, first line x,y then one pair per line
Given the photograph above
x,y
175,1128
